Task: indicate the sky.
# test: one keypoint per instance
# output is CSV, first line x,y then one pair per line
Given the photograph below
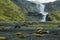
x,y
43,1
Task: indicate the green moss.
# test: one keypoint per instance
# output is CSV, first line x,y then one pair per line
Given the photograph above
x,y
55,16
9,11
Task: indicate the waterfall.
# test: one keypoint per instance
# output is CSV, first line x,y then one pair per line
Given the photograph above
x,y
41,9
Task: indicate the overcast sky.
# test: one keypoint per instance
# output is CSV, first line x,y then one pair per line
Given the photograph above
x,y
43,1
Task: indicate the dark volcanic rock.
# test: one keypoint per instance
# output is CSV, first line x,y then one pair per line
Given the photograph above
x,y
29,6
52,6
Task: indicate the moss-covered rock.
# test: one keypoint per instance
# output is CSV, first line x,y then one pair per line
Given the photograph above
x,y
55,16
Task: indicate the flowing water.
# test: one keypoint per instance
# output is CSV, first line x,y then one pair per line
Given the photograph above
x,y
41,9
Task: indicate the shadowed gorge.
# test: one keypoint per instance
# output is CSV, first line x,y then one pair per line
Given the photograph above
x,y
23,11
51,8
16,10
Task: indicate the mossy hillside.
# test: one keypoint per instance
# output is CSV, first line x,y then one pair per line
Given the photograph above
x,y
55,16
9,11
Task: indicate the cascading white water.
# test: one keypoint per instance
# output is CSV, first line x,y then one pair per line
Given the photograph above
x,y
42,7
